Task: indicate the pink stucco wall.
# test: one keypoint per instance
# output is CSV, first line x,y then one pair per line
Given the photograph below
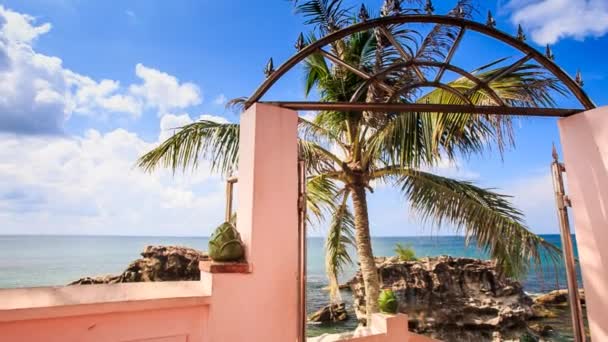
x,y
154,312
262,305
584,139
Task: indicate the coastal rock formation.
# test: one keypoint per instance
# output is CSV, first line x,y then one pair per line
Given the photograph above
x,y
557,297
158,263
330,313
452,299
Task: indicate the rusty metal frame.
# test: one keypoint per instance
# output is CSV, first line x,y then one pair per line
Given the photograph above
x,y
465,25
424,108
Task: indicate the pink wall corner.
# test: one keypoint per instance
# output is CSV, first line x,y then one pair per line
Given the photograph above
x,y
584,139
262,305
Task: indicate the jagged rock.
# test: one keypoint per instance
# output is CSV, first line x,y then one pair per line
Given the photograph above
x,y
330,313
557,297
158,263
550,304
452,299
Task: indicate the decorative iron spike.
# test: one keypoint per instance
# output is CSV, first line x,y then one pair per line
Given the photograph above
x,y
579,79
269,69
459,12
429,7
391,7
549,53
491,22
300,44
554,154
396,6
363,13
520,33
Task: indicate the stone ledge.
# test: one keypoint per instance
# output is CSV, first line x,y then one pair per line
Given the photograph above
x,y
211,266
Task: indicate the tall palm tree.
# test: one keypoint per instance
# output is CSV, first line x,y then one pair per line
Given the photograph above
x,y
347,153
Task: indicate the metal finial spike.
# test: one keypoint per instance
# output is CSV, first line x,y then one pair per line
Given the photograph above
x,y
396,6
549,53
458,12
363,14
491,22
520,33
554,154
391,7
300,44
269,69
579,79
429,7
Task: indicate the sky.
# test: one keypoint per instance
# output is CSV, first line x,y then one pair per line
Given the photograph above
x,y
88,86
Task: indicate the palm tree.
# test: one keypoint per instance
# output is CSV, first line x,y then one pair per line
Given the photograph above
x,y
347,153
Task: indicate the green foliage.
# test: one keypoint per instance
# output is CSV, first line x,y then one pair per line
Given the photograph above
x,y
387,302
339,238
527,337
405,253
225,244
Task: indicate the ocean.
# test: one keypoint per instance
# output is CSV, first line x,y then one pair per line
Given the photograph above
x,y
32,261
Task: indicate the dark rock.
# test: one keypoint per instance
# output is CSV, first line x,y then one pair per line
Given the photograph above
x,y
158,263
330,313
452,299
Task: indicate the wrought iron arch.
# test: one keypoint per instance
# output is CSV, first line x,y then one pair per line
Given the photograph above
x,y
530,53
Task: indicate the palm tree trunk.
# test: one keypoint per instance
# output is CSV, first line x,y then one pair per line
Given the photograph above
x,y
364,251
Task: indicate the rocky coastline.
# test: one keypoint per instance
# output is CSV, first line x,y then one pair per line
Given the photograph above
x,y
448,298
157,263
463,299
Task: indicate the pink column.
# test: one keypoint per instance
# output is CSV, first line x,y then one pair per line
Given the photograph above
x,y
262,305
584,140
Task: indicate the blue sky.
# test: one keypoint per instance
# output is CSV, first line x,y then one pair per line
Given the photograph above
x,y
87,86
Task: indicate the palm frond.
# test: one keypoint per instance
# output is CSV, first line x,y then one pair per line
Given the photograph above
x,y
237,105
440,39
485,217
321,193
324,15
318,159
340,238
214,142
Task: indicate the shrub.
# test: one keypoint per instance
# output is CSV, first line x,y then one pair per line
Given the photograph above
x,y
387,301
405,253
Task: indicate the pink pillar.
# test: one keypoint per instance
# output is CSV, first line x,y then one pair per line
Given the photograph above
x,y
584,140
262,305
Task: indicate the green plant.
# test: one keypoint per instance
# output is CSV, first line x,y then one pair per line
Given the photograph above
x,y
387,301
405,253
225,244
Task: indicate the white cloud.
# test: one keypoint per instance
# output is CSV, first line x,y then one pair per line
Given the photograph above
x,y
39,95
89,185
164,91
533,195
19,28
220,99
551,20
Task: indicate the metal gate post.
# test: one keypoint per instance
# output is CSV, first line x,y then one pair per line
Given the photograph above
x,y
563,203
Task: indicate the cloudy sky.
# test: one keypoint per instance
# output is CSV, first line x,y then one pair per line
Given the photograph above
x,y
88,86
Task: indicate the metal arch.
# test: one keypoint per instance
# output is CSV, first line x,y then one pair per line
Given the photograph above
x,y
432,84
548,64
443,66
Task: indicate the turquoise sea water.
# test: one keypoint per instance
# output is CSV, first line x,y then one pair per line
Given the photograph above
x,y
30,261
